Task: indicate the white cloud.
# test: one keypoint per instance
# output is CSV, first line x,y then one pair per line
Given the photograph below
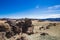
x,y
55,7
45,16
50,12
55,10
53,16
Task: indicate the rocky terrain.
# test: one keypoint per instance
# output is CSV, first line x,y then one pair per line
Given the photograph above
x,y
28,29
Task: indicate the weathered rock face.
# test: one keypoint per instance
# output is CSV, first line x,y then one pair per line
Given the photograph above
x,y
43,34
2,29
17,28
27,24
2,35
30,30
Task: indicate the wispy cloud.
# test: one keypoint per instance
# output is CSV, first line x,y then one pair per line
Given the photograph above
x,y
53,16
54,12
45,16
55,7
49,12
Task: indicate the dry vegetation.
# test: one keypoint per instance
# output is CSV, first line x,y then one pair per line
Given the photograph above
x,y
26,30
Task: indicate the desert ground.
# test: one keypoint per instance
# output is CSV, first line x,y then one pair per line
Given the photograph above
x,y
45,30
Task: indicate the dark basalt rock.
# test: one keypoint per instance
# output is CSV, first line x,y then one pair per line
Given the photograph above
x,y
43,34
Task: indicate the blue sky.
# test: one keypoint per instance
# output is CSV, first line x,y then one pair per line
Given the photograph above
x,y
30,8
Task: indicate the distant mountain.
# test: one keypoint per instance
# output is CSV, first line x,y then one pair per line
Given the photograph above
x,y
52,19
49,19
